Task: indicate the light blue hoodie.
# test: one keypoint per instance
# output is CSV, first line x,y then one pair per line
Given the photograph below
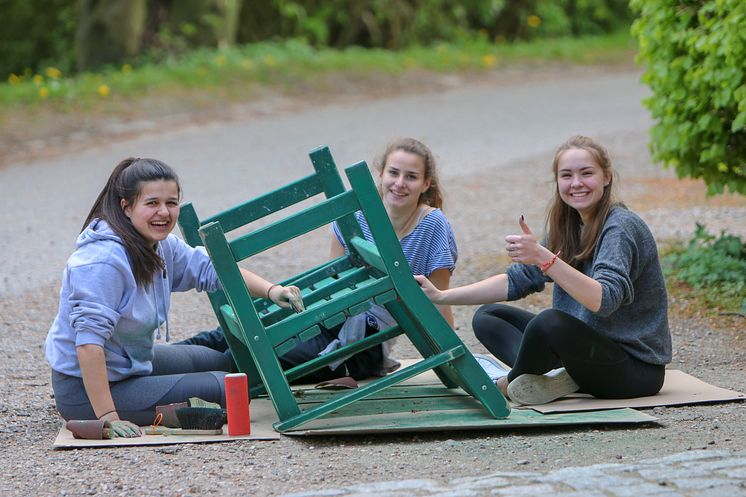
x,y
101,304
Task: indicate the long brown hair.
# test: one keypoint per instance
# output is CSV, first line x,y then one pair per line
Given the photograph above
x,y
434,195
125,182
565,227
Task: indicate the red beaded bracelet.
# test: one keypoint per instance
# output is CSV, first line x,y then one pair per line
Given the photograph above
x,y
546,265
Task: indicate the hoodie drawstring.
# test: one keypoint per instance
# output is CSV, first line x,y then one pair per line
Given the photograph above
x,y
164,289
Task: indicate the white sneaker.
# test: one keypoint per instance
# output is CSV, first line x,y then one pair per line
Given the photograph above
x,y
491,366
533,389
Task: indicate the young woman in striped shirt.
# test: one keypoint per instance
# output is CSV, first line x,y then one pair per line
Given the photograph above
x,y
412,197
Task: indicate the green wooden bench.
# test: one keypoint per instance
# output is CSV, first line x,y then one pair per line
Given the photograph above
x,y
258,331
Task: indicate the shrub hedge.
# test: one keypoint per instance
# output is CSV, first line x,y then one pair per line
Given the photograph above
x,y
694,53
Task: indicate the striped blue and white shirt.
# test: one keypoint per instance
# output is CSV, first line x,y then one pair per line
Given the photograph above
x,y
430,246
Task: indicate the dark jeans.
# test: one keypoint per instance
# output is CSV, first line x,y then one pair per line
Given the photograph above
x,y
537,343
360,366
178,374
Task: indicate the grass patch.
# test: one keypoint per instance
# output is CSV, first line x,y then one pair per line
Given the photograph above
x,y
286,64
707,276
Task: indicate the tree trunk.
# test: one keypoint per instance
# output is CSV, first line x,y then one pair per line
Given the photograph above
x,y
109,31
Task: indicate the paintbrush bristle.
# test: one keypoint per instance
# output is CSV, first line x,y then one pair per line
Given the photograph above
x,y
201,418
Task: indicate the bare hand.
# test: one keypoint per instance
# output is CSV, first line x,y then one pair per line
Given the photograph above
x,y
428,288
524,248
288,296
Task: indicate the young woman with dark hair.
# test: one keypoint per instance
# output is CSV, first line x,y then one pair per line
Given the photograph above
x,y
607,332
114,300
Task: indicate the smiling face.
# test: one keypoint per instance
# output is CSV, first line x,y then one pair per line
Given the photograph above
x,y
155,209
403,180
580,181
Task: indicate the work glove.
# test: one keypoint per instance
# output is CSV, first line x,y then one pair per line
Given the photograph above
x,y
123,429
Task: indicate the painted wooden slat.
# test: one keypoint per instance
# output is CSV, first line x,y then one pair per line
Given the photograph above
x,y
369,389
339,354
267,204
295,225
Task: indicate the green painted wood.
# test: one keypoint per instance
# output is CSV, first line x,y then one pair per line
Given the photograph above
x,y
334,320
286,346
427,321
258,330
309,333
307,397
473,418
320,311
267,204
189,225
258,344
385,297
350,350
306,280
323,163
356,309
368,252
370,388
295,225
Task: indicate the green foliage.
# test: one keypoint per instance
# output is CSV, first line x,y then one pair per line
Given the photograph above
x,y
37,34
292,63
694,55
579,17
396,24
714,266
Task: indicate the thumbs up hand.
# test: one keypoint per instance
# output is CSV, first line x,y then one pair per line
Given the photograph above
x,y
524,226
523,248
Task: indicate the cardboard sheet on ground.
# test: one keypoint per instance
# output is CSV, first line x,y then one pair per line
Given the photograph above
x,y
261,429
423,404
679,388
418,408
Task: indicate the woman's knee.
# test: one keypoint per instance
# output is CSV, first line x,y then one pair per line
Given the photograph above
x,y
548,324
486,320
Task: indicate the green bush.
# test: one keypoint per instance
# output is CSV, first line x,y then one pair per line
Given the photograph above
x,y
713,266
694,55
37,34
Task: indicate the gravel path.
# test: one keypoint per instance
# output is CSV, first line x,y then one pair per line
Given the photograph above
x,y
494,138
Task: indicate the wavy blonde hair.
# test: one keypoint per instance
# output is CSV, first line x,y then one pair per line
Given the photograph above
x,y
564,225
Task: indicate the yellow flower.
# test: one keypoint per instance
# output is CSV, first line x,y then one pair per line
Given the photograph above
x,y
13,79
247,64
488,60
43,92
53,72
533,21
126,69
103,90
220,60
270,61
38,79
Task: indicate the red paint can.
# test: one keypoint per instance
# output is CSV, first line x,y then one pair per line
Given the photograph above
x,y
237,404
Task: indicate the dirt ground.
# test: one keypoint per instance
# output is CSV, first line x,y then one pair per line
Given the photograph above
x,y
713,352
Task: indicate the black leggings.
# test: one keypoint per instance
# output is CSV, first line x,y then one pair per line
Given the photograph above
x,y
537,343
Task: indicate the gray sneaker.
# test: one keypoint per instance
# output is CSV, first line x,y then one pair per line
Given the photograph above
x,y
534,389
491,366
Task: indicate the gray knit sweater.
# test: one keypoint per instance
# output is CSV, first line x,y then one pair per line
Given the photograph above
x,y
634,302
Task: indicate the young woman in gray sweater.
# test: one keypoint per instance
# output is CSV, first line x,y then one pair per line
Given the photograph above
x,y
607,332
